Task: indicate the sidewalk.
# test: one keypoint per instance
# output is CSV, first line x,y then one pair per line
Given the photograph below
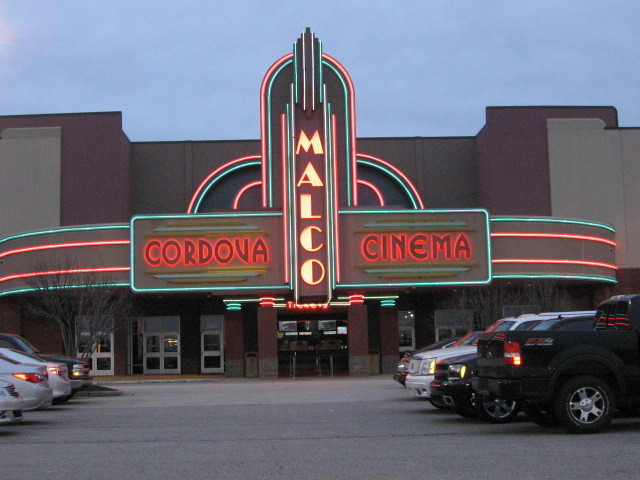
x,y
107,386
123,379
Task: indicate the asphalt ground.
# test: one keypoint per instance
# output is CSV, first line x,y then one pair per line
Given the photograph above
x,y
346,428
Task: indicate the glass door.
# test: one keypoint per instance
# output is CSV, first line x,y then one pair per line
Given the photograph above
x,y
161,345
211,341
95,339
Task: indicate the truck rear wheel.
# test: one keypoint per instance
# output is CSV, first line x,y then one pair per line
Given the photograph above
x,y
585,404
497,410
542,415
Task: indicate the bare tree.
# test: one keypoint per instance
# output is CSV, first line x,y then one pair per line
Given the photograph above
x,y
73,298
499,300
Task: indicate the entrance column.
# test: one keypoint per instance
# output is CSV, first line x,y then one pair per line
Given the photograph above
x,y
234,344
358,338
267,342
389,346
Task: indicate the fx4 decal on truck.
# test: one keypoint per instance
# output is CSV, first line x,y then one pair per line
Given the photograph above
x,y
539,342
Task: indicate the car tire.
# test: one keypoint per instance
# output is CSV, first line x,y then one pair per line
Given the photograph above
x,y
466,409
440,407
497,410
540,414
585,404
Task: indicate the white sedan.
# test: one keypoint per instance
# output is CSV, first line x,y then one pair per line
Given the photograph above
x,y
11,403
31,381
58,374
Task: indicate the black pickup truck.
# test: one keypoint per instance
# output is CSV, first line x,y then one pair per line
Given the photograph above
x,y
575,379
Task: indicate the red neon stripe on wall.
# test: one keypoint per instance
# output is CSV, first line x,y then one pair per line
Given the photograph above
x,y
568,236
63,272
52,246
554,261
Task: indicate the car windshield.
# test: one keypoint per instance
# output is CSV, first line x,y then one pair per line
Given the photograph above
x,y
469,339
25,346
500,326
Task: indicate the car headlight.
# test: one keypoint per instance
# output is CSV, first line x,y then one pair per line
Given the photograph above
x,y
428,366
457,371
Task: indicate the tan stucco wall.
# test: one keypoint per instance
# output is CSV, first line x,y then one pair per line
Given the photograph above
x,y
29,179
594,174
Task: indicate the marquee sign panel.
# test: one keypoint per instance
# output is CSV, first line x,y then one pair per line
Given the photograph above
x,y
218,252
414,248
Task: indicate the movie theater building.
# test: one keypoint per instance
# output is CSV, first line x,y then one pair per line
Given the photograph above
x,y
310,251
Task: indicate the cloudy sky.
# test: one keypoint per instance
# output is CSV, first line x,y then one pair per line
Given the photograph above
x,y
191,70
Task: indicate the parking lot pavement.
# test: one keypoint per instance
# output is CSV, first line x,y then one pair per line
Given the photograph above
x,y
348,428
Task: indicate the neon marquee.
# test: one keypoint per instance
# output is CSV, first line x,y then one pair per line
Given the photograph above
x,y
416,246
203,251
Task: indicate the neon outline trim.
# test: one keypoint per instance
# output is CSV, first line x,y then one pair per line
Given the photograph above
x,y
336,217
65,230
568,236
375,189
53,246
570,277
242,191
350,122
414,196
19,276
553,220
554,262
285,203
211,179
265,124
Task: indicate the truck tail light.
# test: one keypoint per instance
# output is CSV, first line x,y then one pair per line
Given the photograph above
x,y
512,353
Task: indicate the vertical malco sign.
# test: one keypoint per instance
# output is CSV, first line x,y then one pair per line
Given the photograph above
x,y
310,211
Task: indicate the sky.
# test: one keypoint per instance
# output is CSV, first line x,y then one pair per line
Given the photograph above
x,y
191,70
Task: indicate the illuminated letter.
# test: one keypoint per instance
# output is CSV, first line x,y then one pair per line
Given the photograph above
x,y
441,244
305,143
418,246
219,251
205,252
305,207
171,244
306,271
310,176
462,248
367,252
189,252
306,239
399,247
154,262
242,249
260,250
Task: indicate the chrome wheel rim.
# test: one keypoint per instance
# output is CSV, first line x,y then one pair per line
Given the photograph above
x,y
586,405
499,408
